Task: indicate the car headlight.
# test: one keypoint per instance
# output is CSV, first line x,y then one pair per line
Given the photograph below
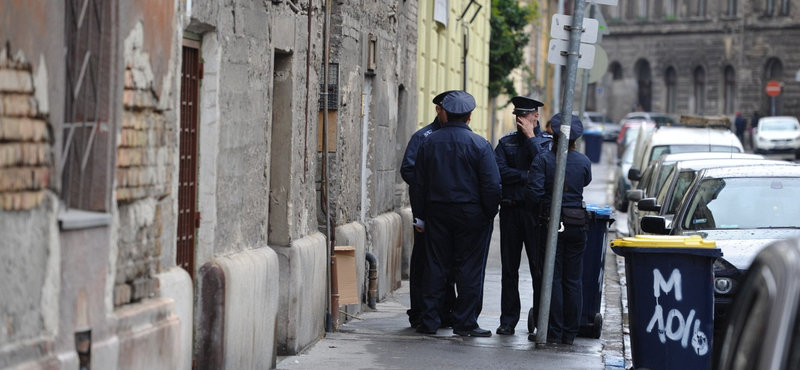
x,y
723,285
761,139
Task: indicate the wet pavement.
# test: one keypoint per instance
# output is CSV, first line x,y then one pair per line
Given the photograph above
x,y
382,338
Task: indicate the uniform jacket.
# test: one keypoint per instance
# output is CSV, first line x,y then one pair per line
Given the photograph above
x,y
514,153
538,190
410,157
455,165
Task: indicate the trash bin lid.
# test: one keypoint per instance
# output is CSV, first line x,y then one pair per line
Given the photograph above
x,y
664,241
600,210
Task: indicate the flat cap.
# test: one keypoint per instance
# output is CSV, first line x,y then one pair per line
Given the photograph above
x,y
458,102
438,98
524,105
575,127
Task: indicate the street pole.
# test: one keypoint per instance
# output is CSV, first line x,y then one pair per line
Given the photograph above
x,y
561,167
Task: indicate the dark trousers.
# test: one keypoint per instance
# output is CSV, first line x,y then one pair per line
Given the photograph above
x,y
567,298
415,279
456,245
517,228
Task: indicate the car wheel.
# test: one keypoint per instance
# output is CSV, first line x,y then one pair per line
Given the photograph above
x,y
797,154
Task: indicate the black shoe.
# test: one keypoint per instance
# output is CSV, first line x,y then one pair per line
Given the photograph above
x,y
415,323
554,340
567,341
505,330
477,332
422,330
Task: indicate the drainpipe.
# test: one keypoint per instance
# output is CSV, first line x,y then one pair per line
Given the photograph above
x,y
332,318
372,296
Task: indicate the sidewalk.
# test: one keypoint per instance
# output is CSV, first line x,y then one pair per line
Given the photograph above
x,y
382,338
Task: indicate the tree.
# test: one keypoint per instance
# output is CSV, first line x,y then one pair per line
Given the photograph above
x,y
507,42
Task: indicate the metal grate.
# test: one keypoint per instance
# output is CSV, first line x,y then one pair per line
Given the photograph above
x,y
333,88
187,177
84,158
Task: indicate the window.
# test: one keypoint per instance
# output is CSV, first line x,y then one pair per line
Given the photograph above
x,y
729,90
672,9
770,8
616,71
701,8
699,90
84,163
671,81
732,5
642,8
784,7
616,11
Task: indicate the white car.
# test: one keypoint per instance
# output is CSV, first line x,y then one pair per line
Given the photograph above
x,y
777,135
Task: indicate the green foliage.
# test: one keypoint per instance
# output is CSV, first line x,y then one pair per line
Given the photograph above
x,y
508,41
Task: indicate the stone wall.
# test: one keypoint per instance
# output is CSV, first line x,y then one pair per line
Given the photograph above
x,y
25,138
144,177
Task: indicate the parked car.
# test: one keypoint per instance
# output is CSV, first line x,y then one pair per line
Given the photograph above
x,y
658,118
671,176
763,328
622,184
683,139
629,131
742,208
777,135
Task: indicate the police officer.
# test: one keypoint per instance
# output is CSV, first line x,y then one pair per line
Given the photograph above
x,y
417,263
456,193
514,154
567,296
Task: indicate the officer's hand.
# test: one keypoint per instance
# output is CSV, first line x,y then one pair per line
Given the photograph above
x,y
526,126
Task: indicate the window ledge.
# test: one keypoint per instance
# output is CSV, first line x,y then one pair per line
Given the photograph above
x,y
75,219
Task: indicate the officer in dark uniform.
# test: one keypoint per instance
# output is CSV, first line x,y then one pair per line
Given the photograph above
x,y
567,297
417,263
514,154
455,197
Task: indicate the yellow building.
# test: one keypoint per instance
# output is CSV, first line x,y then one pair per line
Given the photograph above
x,y
444,39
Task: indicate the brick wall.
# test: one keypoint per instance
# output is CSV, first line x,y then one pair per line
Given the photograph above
x,y
24,139
145,156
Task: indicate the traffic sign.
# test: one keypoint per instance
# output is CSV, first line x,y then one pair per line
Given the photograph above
x,y
557,47
600,64
773,88
559,28
607,2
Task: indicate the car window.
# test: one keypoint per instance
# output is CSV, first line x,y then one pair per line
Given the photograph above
x,y
663,120
745,203
671,149
779,126
661,178
662,193
681,185
645,180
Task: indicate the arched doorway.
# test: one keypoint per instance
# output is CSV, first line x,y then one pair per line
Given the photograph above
x,y
773,70
644,81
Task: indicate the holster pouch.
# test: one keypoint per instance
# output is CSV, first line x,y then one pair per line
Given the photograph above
x,y
574,216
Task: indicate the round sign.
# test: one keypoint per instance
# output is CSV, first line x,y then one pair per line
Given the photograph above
x,y
773,88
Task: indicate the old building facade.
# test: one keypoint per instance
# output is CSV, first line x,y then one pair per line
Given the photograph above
x,y
701,57
164,194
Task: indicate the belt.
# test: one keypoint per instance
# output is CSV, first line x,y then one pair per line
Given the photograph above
x,y
512,203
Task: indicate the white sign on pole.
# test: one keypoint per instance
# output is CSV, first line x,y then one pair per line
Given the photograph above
x,y
556,47
558,29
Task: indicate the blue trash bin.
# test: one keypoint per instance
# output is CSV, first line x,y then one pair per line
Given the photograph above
x,y
670,285
594,259
593,141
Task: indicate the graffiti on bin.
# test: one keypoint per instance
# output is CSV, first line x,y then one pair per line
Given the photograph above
x,y
678,327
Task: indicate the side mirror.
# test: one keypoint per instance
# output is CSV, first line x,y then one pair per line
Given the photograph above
x,y
654,225
634,195
634,174
649,204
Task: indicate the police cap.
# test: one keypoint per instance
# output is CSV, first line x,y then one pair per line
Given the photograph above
x,y
524,105
458,102
575,127
438,98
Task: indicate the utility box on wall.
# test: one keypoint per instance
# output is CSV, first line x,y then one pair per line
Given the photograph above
x,y
346,270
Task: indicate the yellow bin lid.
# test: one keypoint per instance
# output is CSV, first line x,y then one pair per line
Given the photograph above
x,y
664,241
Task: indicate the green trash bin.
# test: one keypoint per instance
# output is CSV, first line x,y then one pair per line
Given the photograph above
x,y
670,285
